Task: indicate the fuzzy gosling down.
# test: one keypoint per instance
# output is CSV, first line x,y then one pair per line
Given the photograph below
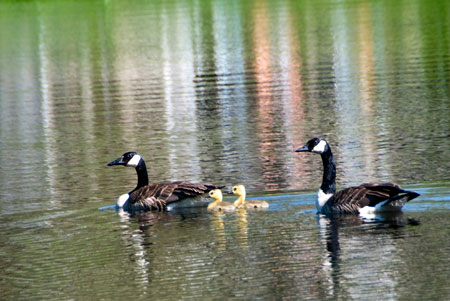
x,y
241,202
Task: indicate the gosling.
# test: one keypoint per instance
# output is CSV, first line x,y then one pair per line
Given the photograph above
x,y
218,205
239,190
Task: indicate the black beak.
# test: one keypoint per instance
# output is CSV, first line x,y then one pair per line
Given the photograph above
x,y
118,161
304,148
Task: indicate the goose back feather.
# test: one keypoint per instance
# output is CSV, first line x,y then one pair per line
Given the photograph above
x,y
158,196
350,200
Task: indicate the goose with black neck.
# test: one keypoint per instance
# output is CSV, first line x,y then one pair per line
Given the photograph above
x,y
159,196
366,199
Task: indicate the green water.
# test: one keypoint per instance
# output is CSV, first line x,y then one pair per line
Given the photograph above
x,y
222,91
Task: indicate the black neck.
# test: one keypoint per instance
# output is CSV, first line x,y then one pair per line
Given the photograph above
x,y
329,172
141,171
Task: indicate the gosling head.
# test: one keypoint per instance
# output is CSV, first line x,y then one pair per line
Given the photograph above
x,y
216,194
239,190
129,159
315,145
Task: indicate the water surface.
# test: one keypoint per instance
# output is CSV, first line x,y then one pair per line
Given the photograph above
x,y
222,91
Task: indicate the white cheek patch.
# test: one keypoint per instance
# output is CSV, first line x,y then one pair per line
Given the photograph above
x,y
134,161
320,148
122,200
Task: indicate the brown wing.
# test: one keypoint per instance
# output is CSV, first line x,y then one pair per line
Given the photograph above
x,y
158,196
351,199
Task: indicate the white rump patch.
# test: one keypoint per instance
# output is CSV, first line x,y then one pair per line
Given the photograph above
x,y
320,148
122,200
322,198
368,212
134,161
371,212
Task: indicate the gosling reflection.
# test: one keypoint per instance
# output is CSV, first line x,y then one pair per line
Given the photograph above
x,y
217,225
242,227
237,225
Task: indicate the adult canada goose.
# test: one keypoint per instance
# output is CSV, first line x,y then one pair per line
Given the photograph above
x,y
160,196
365,199
218,205
239,190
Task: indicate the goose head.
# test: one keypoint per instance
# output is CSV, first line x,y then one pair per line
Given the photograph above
x,y
315,145
216,194
129,159
239,190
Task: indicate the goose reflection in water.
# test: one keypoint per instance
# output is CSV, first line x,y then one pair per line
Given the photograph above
x,y
352,251
135,240
152,247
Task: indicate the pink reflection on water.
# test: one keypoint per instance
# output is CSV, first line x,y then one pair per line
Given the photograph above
x,y
277,93
263,78
366,62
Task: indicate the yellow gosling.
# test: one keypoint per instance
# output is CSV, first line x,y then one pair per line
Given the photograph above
x,y
218,205
239,190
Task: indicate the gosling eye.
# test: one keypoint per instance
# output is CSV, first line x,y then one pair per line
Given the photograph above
x,y
234,189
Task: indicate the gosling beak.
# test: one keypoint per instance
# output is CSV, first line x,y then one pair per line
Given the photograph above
x,y
229,190
304,148
118,161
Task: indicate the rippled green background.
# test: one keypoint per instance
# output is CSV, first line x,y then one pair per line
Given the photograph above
x,y
221,91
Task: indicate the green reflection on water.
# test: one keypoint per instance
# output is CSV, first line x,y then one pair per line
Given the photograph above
x,y
217,91
188,83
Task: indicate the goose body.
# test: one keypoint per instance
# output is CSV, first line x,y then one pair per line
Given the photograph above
x,y
218,204
241,202
160,196
365,199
